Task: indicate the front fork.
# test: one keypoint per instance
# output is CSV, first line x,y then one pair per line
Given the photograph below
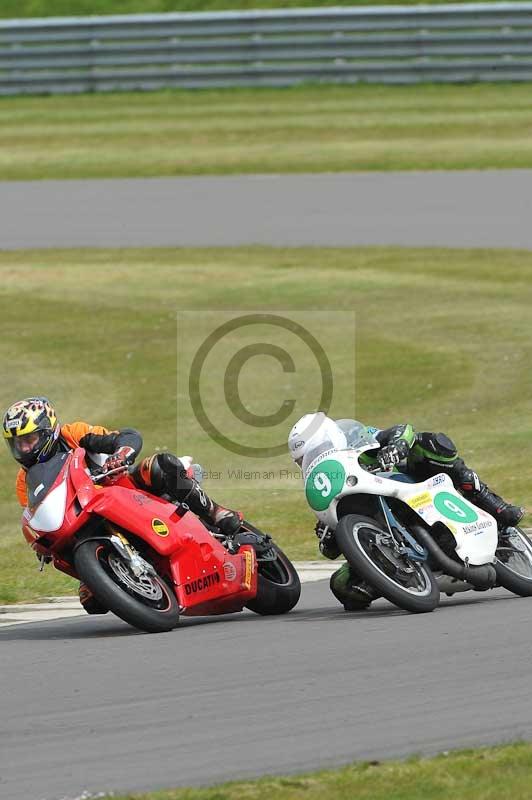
x,y
136,563
412,550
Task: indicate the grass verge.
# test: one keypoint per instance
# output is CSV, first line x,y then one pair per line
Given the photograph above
x,y
306,129
442,338
498,773
55,8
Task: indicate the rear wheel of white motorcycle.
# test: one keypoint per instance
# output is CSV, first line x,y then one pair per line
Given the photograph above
x,y
278,587
405,583
145,602
514,563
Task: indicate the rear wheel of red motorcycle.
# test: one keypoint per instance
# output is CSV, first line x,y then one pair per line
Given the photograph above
x,y
146,603
278,588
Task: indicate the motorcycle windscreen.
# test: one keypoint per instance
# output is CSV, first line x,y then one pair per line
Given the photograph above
x,y
352,435
47,504
41,477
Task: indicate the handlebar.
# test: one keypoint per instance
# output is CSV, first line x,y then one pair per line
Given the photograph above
x,y
378,468
101,475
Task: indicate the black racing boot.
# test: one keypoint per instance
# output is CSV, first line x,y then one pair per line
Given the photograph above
x,y
225,519
506,514
361,599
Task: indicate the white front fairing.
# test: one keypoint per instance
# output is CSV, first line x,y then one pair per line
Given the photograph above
x,y
50,513
328,477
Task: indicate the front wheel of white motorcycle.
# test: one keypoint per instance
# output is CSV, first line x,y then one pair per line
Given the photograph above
x,y
372,553
514,563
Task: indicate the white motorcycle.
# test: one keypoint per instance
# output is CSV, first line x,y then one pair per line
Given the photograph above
x,y
410,541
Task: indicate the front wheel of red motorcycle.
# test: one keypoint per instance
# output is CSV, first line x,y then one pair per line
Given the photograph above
x,y
144,601
278,588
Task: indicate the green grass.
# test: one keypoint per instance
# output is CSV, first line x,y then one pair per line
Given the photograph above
x,y
443,340
53,8
498,773
306,129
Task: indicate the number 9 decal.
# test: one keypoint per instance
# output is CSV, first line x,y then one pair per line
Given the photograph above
x,y
322,484
454,508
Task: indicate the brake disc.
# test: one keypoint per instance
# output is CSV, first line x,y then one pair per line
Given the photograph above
x,y
143,585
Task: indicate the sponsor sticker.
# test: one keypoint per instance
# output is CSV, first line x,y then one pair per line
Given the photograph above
x,y
200,584
159,527
420,500
477,527
248,572
140,499
229,571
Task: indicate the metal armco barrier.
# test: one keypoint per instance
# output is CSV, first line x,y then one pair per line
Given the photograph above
x,y
377,44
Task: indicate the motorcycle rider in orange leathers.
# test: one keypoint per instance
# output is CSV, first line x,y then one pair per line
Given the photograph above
x,y
33,434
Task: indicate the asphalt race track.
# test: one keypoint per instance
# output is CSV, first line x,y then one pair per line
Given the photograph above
x,y
460,209
89,704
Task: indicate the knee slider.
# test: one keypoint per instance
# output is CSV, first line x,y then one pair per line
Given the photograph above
x,y
162,473
149,475
174,476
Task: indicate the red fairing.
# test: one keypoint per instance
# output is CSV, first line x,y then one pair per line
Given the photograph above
x,y
211,581
207,579
138,513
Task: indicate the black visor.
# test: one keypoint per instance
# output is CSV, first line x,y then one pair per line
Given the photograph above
x,y
25,450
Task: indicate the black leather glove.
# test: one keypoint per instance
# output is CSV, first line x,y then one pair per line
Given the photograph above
x,y
319,529
391,454
328,546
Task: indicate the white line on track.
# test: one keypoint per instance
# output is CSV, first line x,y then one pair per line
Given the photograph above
x,y
64,607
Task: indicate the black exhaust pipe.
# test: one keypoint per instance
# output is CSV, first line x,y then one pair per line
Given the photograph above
x,y
483,577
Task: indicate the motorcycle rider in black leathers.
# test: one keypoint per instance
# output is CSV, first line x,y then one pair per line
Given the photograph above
x,y
421,455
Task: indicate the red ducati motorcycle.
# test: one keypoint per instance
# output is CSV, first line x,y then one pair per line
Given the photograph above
x,y
144,558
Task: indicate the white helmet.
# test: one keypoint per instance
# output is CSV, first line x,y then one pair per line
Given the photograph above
x,y
310,431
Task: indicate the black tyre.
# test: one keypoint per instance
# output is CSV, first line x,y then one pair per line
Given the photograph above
x,y
279,587
514,563
408,584
146,603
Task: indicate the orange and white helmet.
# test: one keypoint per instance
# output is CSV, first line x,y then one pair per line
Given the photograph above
x,y
310,431
31,430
